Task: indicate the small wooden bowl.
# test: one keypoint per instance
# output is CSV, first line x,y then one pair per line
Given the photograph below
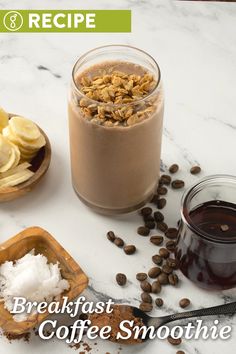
x,y
40,165
42,242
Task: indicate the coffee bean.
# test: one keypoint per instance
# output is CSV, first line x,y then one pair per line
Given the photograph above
x,y
162,226
177,184
163,279
165,179
146,297
150,225
161,203
156,287
184,303
141,276
157,259
180,352
143,231
154,272
164,253
111,236
121,279
171,233
155,199
146,211
156,240
83,316
146,286
173,263
173,279
171,245
195,170
159,302
166,269
119,242
129,249
162,190
173,168
174,341
148,218
145,307
158,216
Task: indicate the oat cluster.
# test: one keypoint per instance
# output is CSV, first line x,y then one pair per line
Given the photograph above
x,y
116,96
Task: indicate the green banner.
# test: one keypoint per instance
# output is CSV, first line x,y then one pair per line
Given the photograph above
x,y
65,21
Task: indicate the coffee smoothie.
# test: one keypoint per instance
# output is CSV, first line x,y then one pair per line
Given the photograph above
x,y
115,121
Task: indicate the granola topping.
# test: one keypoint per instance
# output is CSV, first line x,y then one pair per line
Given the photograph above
x,y
116,98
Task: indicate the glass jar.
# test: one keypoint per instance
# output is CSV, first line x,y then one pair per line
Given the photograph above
x,y
206,247
115,161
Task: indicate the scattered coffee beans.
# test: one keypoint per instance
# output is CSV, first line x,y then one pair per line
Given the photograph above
x,y
156,240
154,272
173,279
165,179
141,276
171,233
166,269
148,218
173,168
174,341
119,242
146,297
158,216
146,286
195,170
129,249
184,303
164,253
177,184
145,307
171,245
180,352
163,279
162,190
159,302
143,231
146,211
150,225
161,203
172,262
155,199
156,287
162,226
111,236
121,279
157,259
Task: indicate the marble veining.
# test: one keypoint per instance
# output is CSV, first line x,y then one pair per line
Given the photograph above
x,y
195,45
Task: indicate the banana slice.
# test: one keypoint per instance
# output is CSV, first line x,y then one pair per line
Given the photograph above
x,y
10,162
24,129
23,166
16,179
24,146
5,150
3,119
17,155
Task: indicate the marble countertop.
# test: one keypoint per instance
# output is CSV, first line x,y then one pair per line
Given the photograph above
x,y
195,45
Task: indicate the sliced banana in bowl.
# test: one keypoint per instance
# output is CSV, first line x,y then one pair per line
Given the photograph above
x,y
25,155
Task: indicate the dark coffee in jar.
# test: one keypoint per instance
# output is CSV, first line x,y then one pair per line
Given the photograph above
x,y
210,260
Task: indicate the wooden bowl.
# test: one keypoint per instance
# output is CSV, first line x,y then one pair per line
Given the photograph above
x,y
43,243
40,165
